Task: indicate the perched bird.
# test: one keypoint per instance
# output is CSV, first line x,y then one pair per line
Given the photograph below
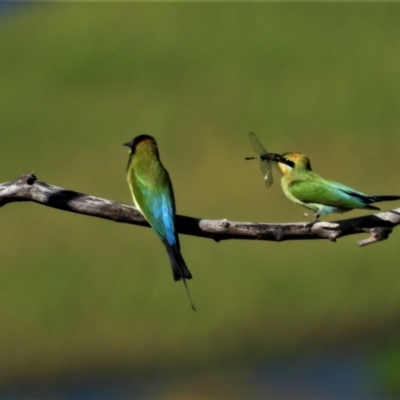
x,y
153,196
305,187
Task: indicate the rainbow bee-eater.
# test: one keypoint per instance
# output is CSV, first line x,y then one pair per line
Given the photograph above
x,y
305,187
153,196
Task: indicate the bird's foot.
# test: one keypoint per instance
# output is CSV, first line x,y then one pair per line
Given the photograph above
x,y
311,224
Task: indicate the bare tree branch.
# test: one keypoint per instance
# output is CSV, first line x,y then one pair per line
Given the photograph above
x,y
29,188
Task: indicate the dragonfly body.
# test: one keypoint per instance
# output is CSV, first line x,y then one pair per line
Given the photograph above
x,y
266,159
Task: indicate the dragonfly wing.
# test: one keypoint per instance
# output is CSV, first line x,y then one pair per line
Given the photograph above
x,y
266,170
257,146
265,164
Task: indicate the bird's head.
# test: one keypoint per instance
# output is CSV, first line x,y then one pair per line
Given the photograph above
x,y
294,161
141,143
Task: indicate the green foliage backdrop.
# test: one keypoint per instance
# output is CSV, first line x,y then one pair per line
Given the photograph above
x,y
79,294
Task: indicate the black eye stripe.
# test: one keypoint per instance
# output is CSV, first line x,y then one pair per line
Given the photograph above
x,y
288,162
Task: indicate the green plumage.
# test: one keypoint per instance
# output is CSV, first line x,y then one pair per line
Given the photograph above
x,y
305,187
149,183
153,196
311,188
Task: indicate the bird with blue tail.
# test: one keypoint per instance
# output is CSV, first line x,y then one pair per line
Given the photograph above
x,y
153,196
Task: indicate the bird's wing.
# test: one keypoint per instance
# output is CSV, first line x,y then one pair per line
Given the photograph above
x,y
157,204
328,193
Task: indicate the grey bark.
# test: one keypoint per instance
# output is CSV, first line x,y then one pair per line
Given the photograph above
x,y
29,188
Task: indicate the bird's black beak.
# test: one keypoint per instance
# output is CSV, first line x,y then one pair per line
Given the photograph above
x,y
127,144
280,159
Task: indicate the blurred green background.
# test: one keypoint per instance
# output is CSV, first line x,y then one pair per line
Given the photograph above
x,y
88,305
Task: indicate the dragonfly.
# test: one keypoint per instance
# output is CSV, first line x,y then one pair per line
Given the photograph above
x,y
265,157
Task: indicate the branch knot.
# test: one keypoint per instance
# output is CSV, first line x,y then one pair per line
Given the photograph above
x,y
30,178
